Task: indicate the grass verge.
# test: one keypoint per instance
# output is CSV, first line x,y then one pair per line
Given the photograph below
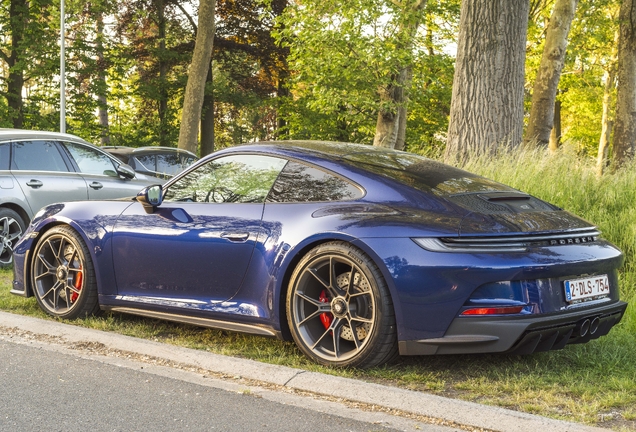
x,y
593,383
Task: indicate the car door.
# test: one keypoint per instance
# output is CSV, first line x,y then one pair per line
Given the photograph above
x,y
194,249
44,174
100,172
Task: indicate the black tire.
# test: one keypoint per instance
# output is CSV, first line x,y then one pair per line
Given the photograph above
x,y
63,276
11,228
339,308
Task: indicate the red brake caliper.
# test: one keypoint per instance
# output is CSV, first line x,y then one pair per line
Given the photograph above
x,y
77,285
325,317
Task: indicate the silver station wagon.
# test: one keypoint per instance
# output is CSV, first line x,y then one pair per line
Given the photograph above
x,y
39,168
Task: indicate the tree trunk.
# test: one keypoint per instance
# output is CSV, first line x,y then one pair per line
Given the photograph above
x,y
400,142
487,101
207,117
390,129
549,73
625,124
195,89
606,122
555,134
102,102
282,90
392,102
18,17
163,73
282,93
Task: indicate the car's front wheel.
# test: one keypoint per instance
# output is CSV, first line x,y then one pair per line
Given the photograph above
x,y
11,229
63,276
339,308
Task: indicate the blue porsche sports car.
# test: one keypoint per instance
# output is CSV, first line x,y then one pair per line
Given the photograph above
x,y
357,253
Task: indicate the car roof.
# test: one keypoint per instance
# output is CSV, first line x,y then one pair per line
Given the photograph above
x,y
328,150
125,150
409,169
10,134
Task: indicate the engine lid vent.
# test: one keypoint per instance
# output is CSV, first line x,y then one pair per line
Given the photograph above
x,y
501,202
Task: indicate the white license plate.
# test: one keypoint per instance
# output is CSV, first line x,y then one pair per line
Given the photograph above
x,y
579,289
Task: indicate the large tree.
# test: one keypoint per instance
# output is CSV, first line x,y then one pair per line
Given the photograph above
x,y
547,81
29,63
15,58
487,102
625,126
606,120
193,100
390,129
155,48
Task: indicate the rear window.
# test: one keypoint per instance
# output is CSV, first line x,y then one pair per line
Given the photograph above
x,y
298,182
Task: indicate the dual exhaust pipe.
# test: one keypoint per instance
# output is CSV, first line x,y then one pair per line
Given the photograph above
x,y
588,326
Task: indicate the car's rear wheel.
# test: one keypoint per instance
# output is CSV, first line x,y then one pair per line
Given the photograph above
x,y
63,276
339,308
11,228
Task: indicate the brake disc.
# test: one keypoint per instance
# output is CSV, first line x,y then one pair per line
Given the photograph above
x,y
360,284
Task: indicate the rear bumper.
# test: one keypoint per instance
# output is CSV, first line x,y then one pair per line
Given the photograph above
x,y
520,334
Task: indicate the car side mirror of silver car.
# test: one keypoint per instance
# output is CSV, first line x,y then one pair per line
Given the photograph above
x,y
150,197
126,171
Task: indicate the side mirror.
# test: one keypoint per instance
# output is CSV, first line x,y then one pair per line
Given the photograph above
x,y
126,171
150,197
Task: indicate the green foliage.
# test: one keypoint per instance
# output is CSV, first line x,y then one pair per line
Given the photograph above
x,y
341,55
588,56
312,69
35,58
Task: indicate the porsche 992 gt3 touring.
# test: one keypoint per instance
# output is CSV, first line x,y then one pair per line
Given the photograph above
x,y
356,253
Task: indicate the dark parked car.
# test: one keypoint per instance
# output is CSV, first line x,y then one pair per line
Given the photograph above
x,y
161,162
40,168
355,252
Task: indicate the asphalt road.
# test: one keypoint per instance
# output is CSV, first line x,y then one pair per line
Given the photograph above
x,y
53,391
56,376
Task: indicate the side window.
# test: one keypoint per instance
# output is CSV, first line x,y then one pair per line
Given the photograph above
x,y
186,161
236,179
91,161
37,156
5,153
148,162
169,164
302,183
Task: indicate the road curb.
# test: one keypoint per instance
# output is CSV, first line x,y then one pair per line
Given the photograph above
x,y
453,410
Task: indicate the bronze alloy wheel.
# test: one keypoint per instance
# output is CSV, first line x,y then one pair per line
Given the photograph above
x,y
62,275
339,309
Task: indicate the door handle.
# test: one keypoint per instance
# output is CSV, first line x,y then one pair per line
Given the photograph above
x,y
96,185
236,237
34,183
